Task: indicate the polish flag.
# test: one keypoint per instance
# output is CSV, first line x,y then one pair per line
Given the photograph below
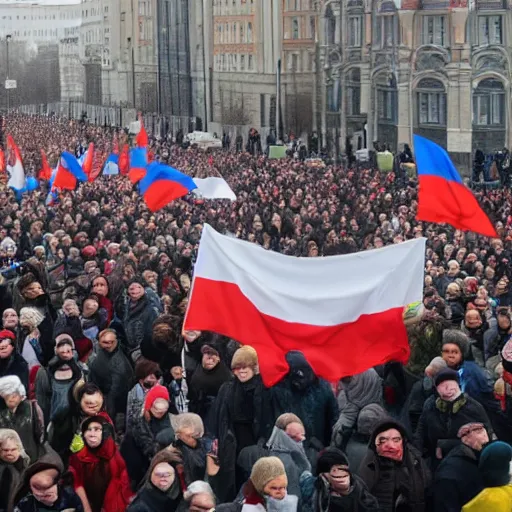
x,y
344,313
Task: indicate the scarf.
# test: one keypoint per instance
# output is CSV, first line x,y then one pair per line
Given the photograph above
x,y
280,442
454,407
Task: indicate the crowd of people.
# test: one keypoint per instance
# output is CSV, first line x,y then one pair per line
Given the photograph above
x,y
107,404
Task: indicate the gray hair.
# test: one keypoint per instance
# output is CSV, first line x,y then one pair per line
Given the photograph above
x,y
198,487
192,421
10,385
7,434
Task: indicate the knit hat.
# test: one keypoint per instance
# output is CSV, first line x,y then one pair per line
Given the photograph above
x,y
33,315
436,365
368,418
208,349
384,425
5,334
447,374
285,419
455,337
495,464
265,470
155,393
136,280
64,339
245,357
330,457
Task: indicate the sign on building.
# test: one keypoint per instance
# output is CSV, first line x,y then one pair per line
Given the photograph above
x,y
10,84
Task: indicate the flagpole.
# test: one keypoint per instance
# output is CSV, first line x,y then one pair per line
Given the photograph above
x,y
278,98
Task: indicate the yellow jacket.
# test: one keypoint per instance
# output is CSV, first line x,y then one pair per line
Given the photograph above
x,y
492,499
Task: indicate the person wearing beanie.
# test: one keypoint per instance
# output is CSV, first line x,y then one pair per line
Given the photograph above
x,y
11,362
394,471
268,483
31,350
140,444
207,381
285,443
421,390
458,478
357,392
22,415
473,380
494,466
444,414
240,416
309,397
99,472
112,372
140,311
357,446
43,489
163,486
335,487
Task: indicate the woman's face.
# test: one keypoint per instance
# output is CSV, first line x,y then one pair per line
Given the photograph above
x,y
10,319
187,435
100,286
159,408
91,404
93,435
244,374
135,291
276,488
163,476
10,451
90,307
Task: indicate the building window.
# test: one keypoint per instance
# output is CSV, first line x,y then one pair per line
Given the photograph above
x,y
262,110
354,92
312,27
386,104
242,32
295,28
330,27
249,32
242,62
434,30
250,63
431,102
489,30
386,31
354,31
489,103
334,96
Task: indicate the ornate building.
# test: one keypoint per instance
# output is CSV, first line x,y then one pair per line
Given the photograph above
x,y
439,68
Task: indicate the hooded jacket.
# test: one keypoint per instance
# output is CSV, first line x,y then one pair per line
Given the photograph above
x,y
106,466
497,499
396,485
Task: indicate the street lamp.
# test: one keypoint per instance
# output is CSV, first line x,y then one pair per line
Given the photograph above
x,y
7,39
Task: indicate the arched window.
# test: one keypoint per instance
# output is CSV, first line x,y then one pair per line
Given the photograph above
x,y
386,25
330,27
489,103
431,97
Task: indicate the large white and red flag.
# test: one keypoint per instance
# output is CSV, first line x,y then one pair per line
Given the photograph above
x,y
344,313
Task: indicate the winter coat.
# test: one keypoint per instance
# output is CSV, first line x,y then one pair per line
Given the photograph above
x,y
10,478
497,499
223,427
67,500
134,404
311,399
413,407
440,421
457,480
15,365
393,482
138,323
113,374
152,499
87,465
28,422
140,445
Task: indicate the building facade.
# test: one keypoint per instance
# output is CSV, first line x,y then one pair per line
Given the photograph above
x,y
438,68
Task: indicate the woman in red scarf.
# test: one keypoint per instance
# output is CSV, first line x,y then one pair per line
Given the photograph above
x,y
99,471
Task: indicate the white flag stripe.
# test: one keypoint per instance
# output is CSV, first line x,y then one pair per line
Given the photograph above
x,y
214,188
317,291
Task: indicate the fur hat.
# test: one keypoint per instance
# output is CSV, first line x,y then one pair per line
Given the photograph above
x,y
445,375
494,464
265,470
330,457
285,419
455,337
245,357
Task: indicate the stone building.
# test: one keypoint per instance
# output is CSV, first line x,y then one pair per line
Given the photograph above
x,y
438,68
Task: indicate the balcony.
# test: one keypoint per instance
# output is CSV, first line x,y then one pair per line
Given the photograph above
x,y
429,5
490,5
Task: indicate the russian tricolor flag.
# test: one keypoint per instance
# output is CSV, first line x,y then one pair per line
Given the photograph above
x,y
442,196
344,313
68,172
162,184
111,167
138,163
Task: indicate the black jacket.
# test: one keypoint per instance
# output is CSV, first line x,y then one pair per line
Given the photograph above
x,y
15,365
457,480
